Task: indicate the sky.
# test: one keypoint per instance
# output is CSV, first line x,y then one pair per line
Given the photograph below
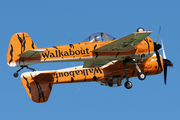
x,y
57,22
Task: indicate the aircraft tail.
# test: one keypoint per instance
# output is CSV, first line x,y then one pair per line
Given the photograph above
x,y
38,85
19,43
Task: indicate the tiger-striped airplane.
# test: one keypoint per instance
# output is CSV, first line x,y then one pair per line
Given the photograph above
x,y
97,50
107,60
38,84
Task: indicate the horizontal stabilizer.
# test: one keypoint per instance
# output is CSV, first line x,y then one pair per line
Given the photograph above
x,y
32,53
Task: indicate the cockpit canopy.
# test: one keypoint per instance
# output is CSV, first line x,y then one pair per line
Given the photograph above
x,y
99,37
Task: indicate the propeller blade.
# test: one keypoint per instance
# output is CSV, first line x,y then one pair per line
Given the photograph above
x,y
165,74
166,63
158,59
158,34
163,50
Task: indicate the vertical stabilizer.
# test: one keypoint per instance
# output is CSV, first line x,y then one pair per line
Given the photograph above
x,y
38,86
19,43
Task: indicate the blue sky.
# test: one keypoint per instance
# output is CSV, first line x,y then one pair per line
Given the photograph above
x,y
58,22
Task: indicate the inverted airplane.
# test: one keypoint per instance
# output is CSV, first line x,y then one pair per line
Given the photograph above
x,y
107,60
38,84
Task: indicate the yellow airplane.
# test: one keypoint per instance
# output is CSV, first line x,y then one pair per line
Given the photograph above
x,y
97,50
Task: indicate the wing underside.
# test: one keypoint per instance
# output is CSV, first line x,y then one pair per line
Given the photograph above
x,y
124,44
95,64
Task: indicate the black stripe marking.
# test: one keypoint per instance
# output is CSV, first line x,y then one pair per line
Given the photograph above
x,y
72,79
11,54
32,45
41,93
55,47
50,86
23,43
148,44
71,46
95,46
96,55
27,85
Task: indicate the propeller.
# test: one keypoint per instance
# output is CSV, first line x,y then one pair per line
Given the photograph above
x,y
157,46
166,63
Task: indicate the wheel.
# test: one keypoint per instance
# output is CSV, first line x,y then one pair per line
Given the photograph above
x,y
128,85
142,76
16,74
143,56
140,29
110,83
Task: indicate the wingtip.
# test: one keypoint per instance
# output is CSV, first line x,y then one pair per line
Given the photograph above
x,y
148,31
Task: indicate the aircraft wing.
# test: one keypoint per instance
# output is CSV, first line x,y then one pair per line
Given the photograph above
x,y
124,44
32,53
95,64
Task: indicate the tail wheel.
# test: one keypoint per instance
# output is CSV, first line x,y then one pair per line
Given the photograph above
x,y
128,85
142,76
16,74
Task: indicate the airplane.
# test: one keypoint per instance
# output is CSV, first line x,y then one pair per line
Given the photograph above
x,y
95,51
107,60
38,84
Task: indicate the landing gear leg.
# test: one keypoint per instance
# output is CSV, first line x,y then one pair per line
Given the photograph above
x,y
127,84
22,67
141,75
16,73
